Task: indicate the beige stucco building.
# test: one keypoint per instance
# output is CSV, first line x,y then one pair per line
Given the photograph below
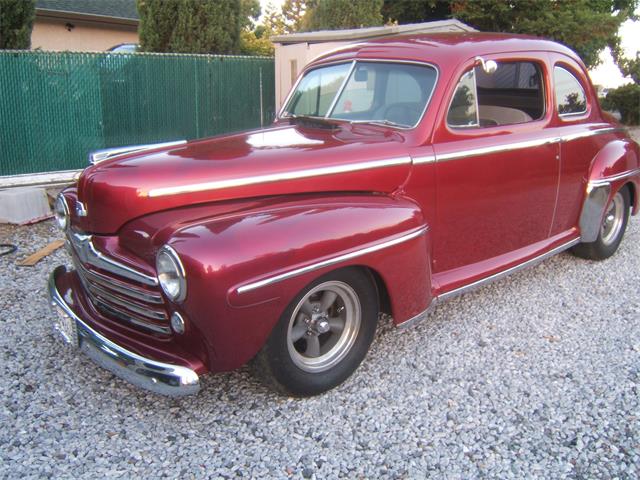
x,y
84,25
295,51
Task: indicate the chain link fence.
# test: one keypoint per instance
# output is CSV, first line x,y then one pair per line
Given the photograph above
x,y
55,107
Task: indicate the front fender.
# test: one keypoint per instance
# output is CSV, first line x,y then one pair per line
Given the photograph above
x,y
245,268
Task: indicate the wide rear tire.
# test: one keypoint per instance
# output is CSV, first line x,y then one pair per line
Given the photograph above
x,y
614,224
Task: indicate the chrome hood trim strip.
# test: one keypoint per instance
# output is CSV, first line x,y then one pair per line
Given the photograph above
x,y
98,156
331,261
276,177
85,250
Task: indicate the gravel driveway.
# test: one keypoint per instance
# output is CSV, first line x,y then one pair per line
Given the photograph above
x,y
537,375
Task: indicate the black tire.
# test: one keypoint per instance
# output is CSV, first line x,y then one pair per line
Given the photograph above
x,y
285,367
606,245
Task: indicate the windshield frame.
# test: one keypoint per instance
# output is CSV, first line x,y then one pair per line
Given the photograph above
x,y
353,62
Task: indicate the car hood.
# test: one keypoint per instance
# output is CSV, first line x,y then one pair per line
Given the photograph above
x,y
273,161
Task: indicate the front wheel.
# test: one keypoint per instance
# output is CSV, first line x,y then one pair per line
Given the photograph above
x,y
614,224
322,336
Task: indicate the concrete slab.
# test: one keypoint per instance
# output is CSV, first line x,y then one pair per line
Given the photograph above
x,y
23,205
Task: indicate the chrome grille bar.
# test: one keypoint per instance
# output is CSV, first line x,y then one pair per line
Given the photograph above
x,y
141,310
117,291
83,247
118,286
128,318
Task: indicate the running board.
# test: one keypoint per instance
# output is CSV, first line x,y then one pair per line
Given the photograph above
x,y
484,281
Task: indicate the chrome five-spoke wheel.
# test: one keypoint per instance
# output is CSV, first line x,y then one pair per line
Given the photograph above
x,y
323,334
323,326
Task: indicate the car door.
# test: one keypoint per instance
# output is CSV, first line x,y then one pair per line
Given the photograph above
x,y
497,167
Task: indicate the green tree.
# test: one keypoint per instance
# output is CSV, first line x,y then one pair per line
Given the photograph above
x,y
339,14
586,26
190,26
16,23
249,13
415,11
157,20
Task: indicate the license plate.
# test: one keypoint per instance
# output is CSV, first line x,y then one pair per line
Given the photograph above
x,y
66,328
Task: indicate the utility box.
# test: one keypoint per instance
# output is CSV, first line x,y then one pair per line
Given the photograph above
x,y
23,205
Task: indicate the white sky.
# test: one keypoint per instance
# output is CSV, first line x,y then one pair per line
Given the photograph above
x,y
605,74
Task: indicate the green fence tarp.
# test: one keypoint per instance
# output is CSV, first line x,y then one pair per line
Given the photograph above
x,y
56,107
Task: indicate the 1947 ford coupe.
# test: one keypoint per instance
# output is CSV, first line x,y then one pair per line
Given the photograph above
x,y
399,173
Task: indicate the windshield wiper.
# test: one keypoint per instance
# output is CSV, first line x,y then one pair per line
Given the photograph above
x,y
385,122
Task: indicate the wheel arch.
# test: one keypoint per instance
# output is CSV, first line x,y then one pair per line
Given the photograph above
x,y
616,165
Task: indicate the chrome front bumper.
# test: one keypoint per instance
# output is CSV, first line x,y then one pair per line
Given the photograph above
x,y
158,377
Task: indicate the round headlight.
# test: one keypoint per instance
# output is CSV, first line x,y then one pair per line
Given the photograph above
x,y
171,274
61,212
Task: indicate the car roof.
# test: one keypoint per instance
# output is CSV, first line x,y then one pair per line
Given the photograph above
x,y
439,48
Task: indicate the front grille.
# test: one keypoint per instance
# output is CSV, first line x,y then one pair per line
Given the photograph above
x,y
118,297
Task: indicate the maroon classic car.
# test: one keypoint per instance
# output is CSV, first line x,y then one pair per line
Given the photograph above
x,y
399,173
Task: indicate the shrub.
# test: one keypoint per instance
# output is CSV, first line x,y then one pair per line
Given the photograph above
x,y
626,100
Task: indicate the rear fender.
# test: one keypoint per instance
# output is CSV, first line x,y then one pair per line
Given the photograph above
x,y
615,165
243,270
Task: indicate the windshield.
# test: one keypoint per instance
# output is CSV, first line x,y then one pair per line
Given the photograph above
x,y
375,92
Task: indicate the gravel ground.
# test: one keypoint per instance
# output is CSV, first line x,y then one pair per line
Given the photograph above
x,y
534,376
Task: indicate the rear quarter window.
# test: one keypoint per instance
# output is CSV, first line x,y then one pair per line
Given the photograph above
x,y
570,96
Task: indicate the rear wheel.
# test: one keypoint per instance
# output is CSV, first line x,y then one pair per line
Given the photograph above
x,y
614,224
322,336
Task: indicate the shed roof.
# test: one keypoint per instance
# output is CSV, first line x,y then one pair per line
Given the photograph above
x,y
372,32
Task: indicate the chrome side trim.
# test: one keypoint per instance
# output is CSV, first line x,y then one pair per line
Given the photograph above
x,y
607,180
425,159
519,145
158,377
589,133
98,156
496,148
508,271
275,177
87,253
331,261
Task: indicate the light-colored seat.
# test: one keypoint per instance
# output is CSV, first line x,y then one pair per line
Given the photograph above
x,y
503,115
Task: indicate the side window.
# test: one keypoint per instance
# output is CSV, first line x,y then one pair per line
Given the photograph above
x,y
570,96
512,94
463,111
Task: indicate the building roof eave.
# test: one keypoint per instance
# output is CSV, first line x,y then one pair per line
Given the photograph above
x,y
86,17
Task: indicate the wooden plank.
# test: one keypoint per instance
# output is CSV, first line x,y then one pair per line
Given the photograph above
x,y
31,260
